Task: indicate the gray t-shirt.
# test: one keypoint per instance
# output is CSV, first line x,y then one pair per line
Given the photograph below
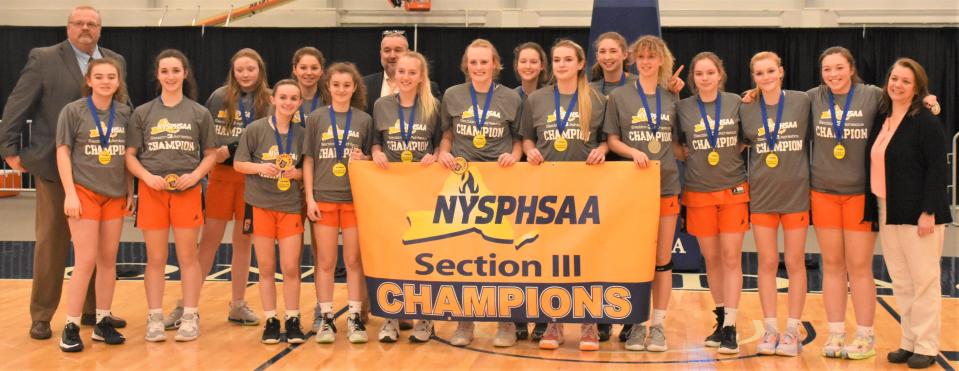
x,y
77,130
258,145
388,134
539,124
607,88
229,135
846,176
171,140
307,108
500,129
318,144
731,170
784,188
626,117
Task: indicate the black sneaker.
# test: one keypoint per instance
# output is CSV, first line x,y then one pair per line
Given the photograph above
x,y
604,330
920,361
522,331
728,344
899,356
716,337
625,332
538,330
105,332
294,334
271,331
70,339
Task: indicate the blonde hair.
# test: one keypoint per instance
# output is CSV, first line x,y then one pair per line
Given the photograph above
x,y
656,46
482,43
585,103
597,71
760,56
423,91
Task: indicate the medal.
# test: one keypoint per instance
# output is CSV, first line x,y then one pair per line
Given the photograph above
x,y
284,161
104,157
461,166
339,169
406,130
560,144
479,140
713,158
283,184
104,137
246,119
654,146
316,100
170,180
839,151
406,156
772,160
838,127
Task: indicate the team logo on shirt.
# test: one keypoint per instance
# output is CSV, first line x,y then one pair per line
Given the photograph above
x,y
640,116
237,117
469,114
113,132
702,127
826,115
783,126
395,129
562,112
328,134
165,126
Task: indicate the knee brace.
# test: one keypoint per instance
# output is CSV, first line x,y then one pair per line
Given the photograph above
x,y
665,267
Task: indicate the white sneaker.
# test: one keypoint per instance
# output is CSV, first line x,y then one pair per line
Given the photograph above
x,y
188,327
422,331
355,330
390,331
326,333
637,338
505,334
242,314
463,335
155,328
170,322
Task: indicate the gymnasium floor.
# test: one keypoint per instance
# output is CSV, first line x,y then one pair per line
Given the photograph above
x,y
227,346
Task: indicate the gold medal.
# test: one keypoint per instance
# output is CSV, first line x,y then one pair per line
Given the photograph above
x,y
713,158
406,156
461,166
339,169
654,146
772,160
104,157
479,140
171,181
560,144
284,162
283,184
839,151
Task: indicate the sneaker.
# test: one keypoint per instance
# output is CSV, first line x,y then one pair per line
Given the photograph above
x,y
242,314
604,330
390,331
155,328
768,343
171,321
834,345
728,344
862,347
920,361
294,333
105,332
271,331
637,337
70,339
552,337
538,329
899,356
656,342
589,337
355,330
505,334
625,332
789,345
188,327
714,339
317,319
522,330
422,331
326,330
463,335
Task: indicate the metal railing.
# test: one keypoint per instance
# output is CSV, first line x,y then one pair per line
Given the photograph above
x,y
952,160
9,182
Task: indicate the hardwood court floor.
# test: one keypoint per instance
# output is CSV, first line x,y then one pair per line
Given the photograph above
x,y
227,346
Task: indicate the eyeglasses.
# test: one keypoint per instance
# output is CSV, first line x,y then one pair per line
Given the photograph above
x,y
394,33
80,24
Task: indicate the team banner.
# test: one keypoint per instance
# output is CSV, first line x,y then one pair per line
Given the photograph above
x,y
560,241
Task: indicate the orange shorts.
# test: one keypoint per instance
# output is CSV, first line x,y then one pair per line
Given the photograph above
x,y
162,209
98,207
839,211
224,194
712,213
798,220
276,224
668,205
337,214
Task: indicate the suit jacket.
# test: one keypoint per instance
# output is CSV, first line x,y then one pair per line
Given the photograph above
x,y
374,83
915,171
50,80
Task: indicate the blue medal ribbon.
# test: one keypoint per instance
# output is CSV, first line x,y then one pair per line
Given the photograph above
x,y
406,130
246,119
653,120
338,145
279,143
772,136
316,100
481,120
104,137
838,127
712,134
561,123
622,81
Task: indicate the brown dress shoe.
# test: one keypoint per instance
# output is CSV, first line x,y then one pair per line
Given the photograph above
x,y
91,319
40,330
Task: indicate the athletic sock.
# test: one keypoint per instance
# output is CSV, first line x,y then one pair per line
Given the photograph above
x,y
269,314
771,325
102,313
73,320
729,318
355,306
659,316
290,313
792,325
326,308
837,327
865,330
155,311
190,310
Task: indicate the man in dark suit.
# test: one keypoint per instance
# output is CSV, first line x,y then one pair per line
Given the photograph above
x,y
392,47
51,78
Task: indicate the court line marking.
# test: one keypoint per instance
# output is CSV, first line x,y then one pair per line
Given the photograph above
x,y
292,347
940,359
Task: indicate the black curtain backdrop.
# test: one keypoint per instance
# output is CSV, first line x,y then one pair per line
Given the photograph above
x,y
937,49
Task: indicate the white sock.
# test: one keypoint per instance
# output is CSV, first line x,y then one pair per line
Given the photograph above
x,y
155,311
326,308
73,320
771,325
102,313
792,325
730,317
659,316
190,310
865,330
355,306
837,327
290,313
269,314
